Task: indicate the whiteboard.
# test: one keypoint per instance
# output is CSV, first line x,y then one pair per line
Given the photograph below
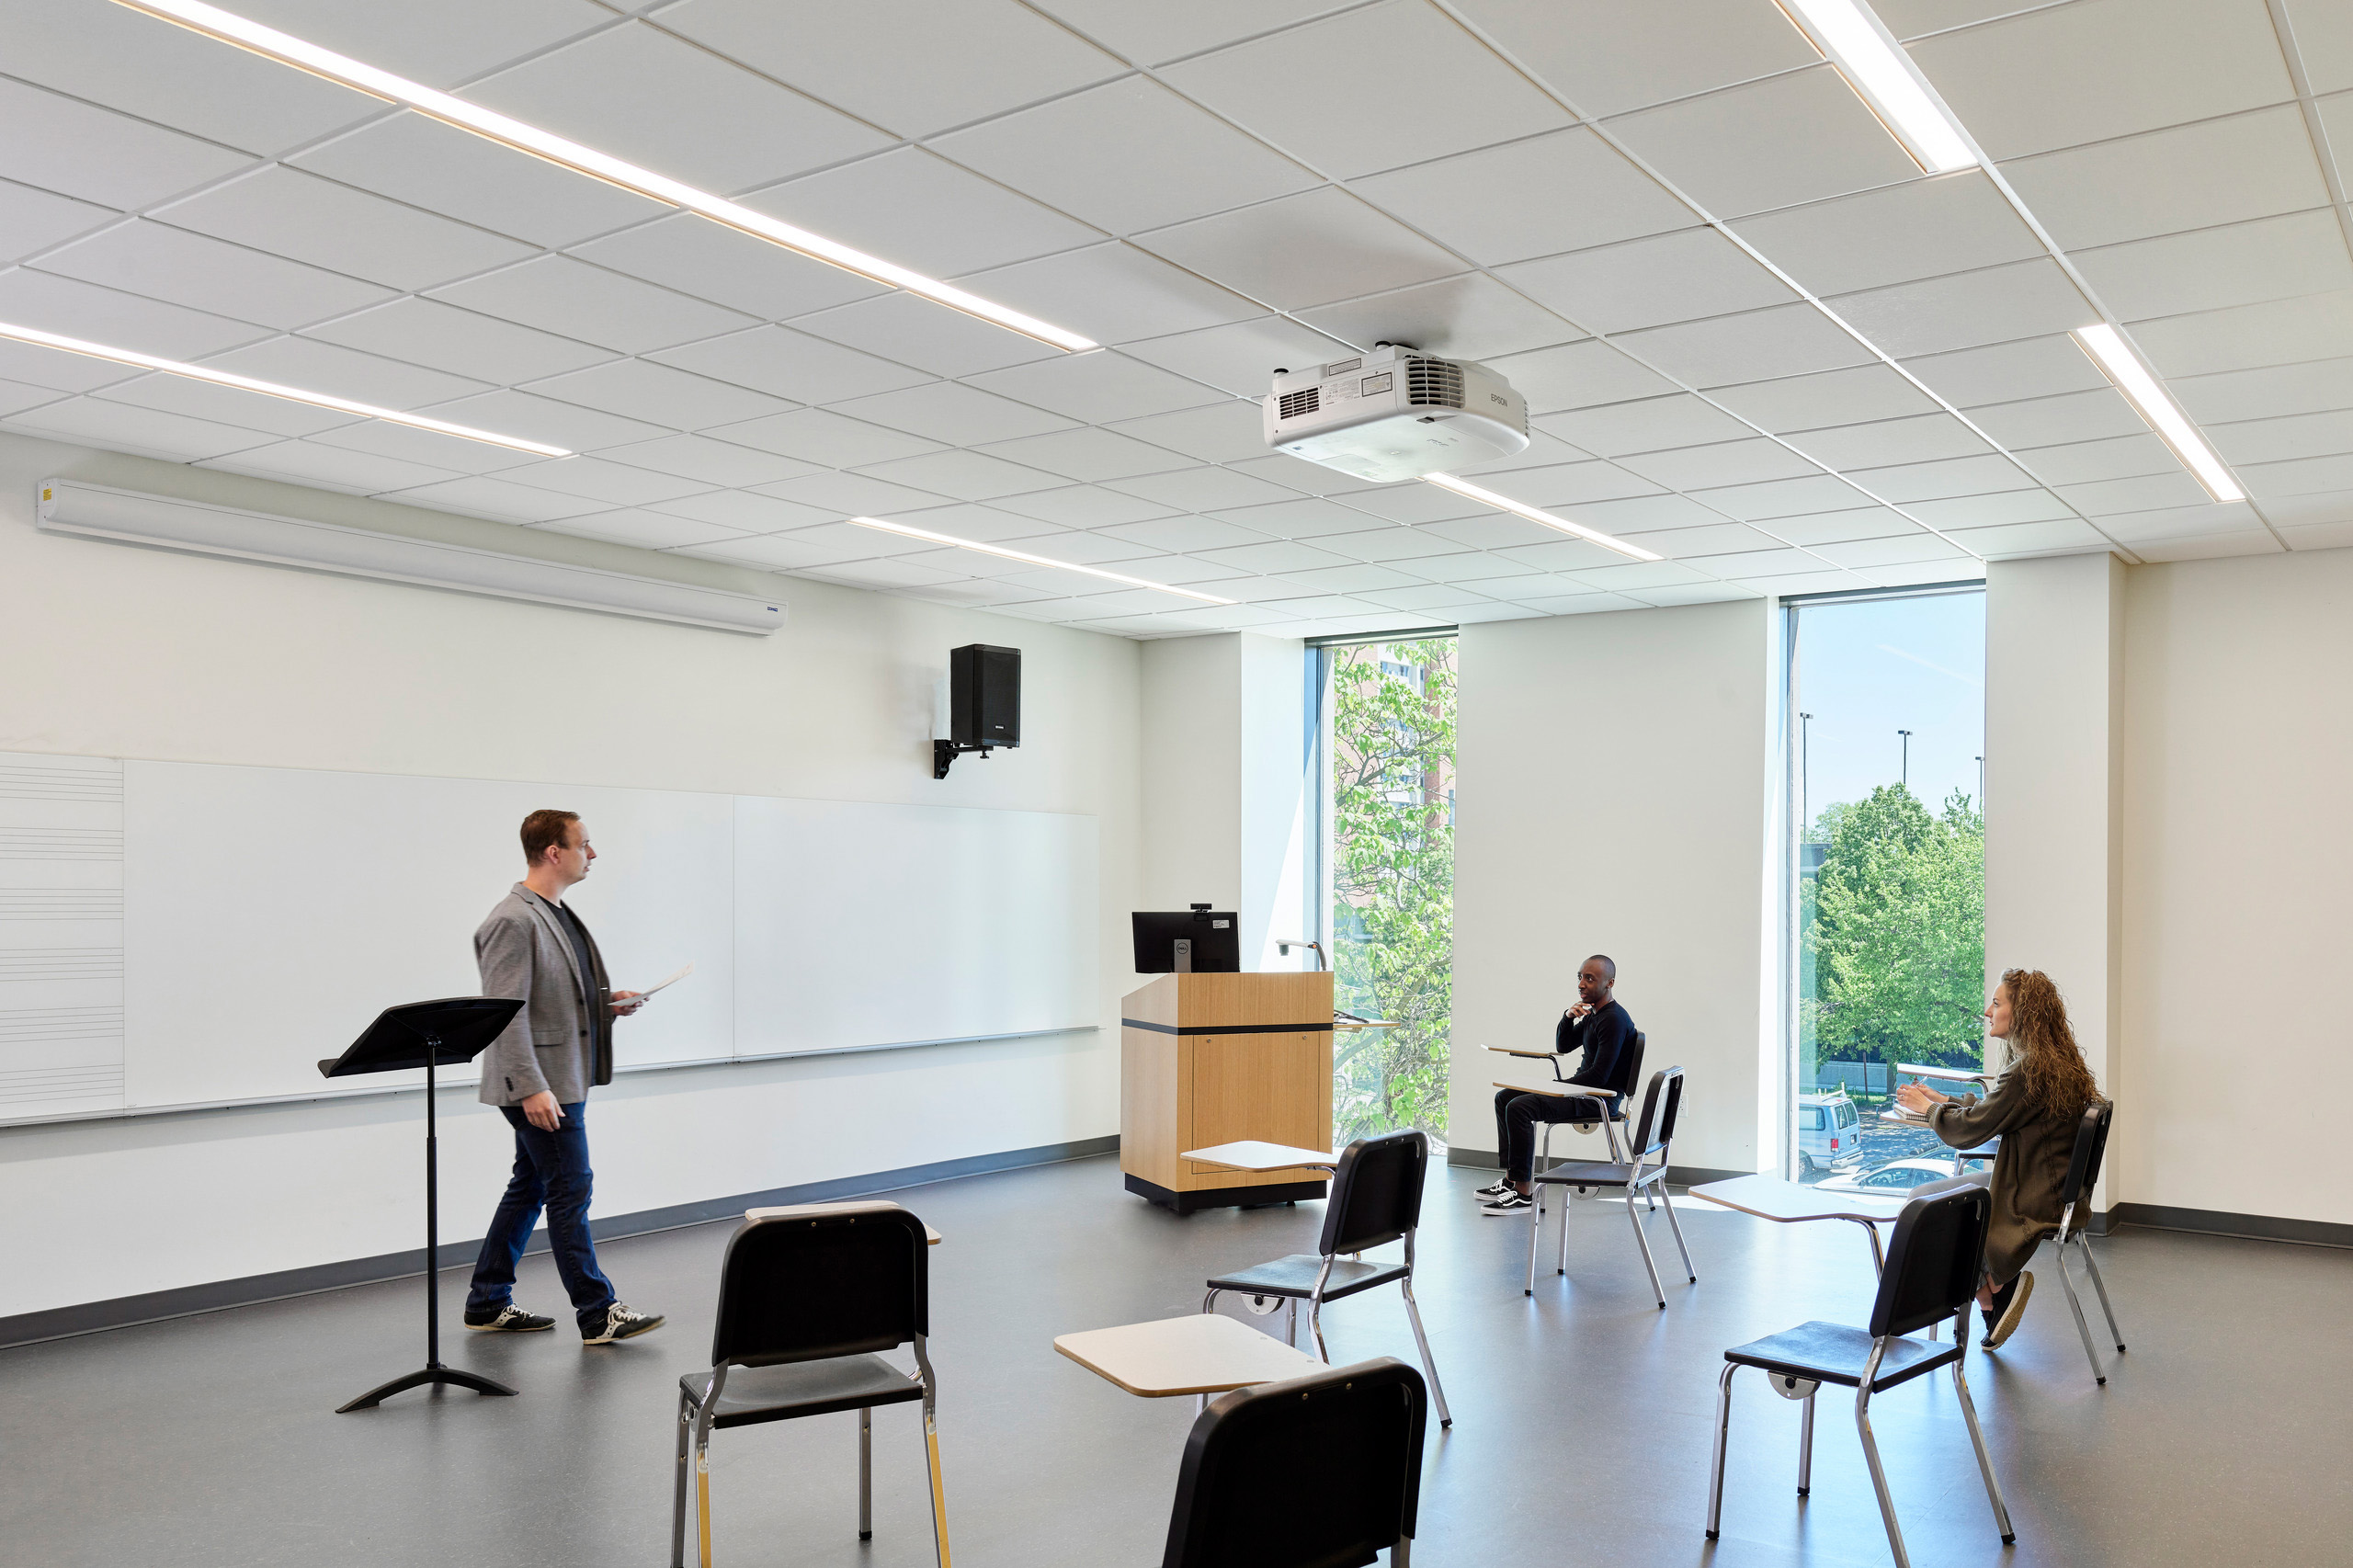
x,y
267,915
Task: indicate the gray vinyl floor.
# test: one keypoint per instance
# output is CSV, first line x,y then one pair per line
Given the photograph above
x,y
1581,1417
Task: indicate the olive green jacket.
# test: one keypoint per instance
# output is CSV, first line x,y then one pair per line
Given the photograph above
x,y
2029,1169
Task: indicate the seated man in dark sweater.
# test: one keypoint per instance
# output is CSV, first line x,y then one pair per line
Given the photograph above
x,y
1600,1028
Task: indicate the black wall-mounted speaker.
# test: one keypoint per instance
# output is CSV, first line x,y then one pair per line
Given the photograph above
x,y
985,696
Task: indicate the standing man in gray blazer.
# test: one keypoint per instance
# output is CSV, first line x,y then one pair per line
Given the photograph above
x,y
538,1074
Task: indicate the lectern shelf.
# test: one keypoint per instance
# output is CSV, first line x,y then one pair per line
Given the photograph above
x,y
1208,1059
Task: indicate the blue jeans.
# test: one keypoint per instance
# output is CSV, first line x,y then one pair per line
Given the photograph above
x,y
551,1173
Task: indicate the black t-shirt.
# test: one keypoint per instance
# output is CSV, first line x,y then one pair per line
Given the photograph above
x,y
1603,1035
600,1019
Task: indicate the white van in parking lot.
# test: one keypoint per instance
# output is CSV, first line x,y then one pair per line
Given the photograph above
x,y
1829,1130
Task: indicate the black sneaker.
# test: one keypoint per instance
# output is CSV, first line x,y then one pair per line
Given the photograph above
x,y
508,1319
1509,1203
2010,1301
619,1323
1492,1190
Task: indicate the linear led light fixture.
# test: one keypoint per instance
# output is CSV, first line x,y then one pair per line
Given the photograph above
x,y
2108,348
272,389
1033,559
287,50
1875,65
1506,503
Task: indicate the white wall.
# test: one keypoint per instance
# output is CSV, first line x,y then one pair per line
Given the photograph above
x,y
1613,797
120,651
2237,871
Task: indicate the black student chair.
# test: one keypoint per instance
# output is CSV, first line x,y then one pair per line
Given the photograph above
x,y
1931,1274
807,1299
1644,1175
1376,1200
2083,1174
1320,1472
1611,1099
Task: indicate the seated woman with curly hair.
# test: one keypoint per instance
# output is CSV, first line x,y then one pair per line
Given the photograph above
x,y
2034,1110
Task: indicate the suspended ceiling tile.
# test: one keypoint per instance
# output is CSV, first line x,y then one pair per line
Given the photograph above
x,y
305,463
2300,476
1201,489
74,309
1782,498
728,267
1472,565
1487,531
968,476
2147,493
1836,528
1830,397
33,220
2007,507
912,330
2278,332
1099,387
1180,533
2239,263
1750,566
1356,577
1649,282
1712,539
438,43
660,102
1648,425
1967,310
639,389
1952,222
1415,503
1607,56
430,448
222,406
1579,375
1259,85
1915,19
1470,317
1308,249
1632,514
1565,191
1219,432
613,483
2088,415
537,418
324,367
343,230
773,553
912,66
915,208
95,154
647,530
2240,542
186,268
1303,518
426,332
1724,462
1085,507
427,163
1788,340
2319,509
788,364
1697,594
1087,454
1150,32
591,304
1576,484
1273,556
880,574
701,458
1112,294
1126,157
1804,136
987,525
742,511
2189,176
485,496
2045,537
1395,543
149,432
2284,439
2267,391
1904,483
166,74
2005,372
958,415
2027,84
1923,437
1240,359
856,495
2116,457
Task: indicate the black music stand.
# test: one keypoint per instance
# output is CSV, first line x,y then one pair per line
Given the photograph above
x,y
447,1033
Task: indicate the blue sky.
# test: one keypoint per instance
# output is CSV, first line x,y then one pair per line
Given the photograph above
x,y
1867,670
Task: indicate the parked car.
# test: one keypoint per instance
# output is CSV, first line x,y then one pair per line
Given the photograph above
x,y
1891,1180
1829,1130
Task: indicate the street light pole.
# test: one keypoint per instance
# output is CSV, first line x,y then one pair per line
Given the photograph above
x,y
1904,779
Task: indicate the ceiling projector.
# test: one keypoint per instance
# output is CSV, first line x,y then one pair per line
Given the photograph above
x,y
1395,413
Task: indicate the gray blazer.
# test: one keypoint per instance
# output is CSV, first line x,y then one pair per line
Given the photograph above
x,y
553,1044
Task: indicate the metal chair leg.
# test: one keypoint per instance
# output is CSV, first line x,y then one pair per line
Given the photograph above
x,y
2100,1374
865,1474
1878,1472
1315,1326
2091,1266
1290,1321
678,1497
1723,1432
1209,1303
1634,1219
1562,1268
938,1495
1977,1439
702,1496
1414,1316
1401,1553
1805,1448
1676,1226
1535,1235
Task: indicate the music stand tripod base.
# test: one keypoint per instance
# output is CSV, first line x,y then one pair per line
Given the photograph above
x,y
447,1033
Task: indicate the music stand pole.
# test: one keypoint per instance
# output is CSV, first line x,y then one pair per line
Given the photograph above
x,y
482,1023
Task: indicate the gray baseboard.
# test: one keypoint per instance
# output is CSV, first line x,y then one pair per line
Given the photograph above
x,y
123,1312
2214,1222
1681,1176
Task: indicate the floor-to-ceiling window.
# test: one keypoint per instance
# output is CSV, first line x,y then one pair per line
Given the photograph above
x,y
1886,872
1386,849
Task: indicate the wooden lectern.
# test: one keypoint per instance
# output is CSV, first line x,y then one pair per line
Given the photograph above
x,y
1208,1059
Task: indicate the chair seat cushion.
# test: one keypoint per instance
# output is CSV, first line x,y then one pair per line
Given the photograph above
x,y
1295,1276
1834,1352
754,1394
1591,1172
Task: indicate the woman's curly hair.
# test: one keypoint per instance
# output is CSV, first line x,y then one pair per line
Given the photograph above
x,y
2043,1047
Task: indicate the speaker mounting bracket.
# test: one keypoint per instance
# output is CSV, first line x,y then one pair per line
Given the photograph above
x,y
944,753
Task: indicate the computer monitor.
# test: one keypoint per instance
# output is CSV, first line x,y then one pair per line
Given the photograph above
x,y
1215,942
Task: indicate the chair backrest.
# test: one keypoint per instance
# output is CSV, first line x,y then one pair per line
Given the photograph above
x,y
1321,1471
1662,1102
1629,1067
807,1287
1932,1261
1376,1192
2091,1147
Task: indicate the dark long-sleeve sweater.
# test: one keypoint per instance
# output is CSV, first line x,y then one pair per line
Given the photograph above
x,y
1604,1037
